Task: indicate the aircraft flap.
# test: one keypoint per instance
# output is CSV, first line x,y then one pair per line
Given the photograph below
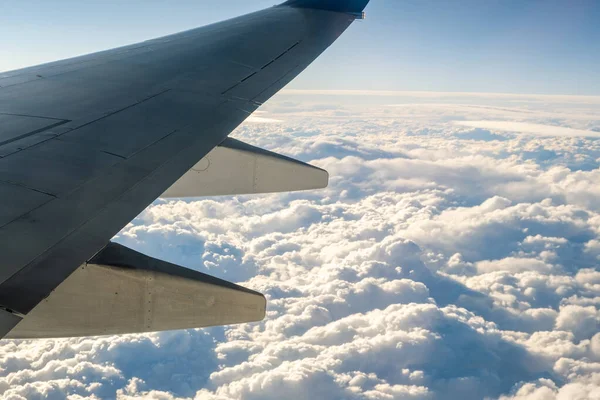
x,y
235,167
121,291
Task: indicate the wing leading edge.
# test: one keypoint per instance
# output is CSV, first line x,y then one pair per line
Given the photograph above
x,y
87,143
345,6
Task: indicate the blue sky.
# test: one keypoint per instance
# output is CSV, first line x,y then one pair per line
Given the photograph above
x,y
534,46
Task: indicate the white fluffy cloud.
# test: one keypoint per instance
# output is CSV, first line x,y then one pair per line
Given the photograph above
x,y
444,261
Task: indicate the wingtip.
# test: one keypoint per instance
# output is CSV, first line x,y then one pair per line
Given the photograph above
x,y
349,6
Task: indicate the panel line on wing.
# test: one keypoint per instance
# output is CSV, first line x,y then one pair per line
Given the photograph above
x,y
108,114
30,116
8,182
281,55
248,77
263,67
279,83
23,136
23,200
113,154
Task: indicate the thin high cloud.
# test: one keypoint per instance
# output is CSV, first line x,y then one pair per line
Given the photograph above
x,y
526,127
258,118
438,95
444,261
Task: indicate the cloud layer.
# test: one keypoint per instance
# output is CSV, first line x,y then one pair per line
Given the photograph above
x,y
444,261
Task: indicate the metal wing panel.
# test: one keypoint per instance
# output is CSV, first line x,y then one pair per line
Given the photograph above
x,y
28,74
17,200
56,167
16,127
125,133
115,161
280,70
56,98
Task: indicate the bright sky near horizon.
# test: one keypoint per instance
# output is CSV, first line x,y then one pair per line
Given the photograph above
x,y
508,46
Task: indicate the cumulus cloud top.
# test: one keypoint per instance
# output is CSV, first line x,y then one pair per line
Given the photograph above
x,y
444,261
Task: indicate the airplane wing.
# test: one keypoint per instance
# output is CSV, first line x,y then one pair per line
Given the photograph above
x,y
87,143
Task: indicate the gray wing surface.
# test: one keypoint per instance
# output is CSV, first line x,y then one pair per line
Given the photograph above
x,y
87,143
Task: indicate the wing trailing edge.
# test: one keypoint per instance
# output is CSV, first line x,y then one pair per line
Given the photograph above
x,y
121,291
235,167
